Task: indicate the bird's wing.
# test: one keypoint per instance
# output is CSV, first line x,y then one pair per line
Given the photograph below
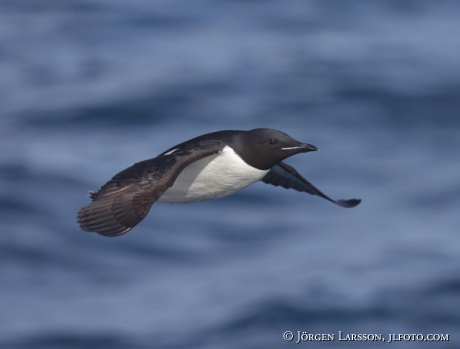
x,y
287,177
127,198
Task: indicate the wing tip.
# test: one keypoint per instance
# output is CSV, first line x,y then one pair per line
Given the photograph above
x,y
91,223
348,203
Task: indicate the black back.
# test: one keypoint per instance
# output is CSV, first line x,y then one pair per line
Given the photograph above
x,y
127,198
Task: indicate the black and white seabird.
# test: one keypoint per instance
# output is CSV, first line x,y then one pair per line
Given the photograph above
x,y
204,168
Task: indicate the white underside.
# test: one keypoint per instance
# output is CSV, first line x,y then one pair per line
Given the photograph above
x,y
212,177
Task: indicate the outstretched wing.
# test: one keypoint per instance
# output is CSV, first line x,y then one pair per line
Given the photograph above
x,y
287,177
127,198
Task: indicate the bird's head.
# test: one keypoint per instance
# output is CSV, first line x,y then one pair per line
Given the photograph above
x,y
264,147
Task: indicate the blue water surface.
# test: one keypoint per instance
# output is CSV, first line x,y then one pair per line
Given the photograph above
x,y
87,88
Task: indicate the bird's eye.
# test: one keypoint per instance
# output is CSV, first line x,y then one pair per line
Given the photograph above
x,y
272,141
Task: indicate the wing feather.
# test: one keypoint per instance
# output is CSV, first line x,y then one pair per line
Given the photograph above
x,y
287,177
126,199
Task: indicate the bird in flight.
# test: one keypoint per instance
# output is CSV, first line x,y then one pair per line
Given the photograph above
x,y
204,168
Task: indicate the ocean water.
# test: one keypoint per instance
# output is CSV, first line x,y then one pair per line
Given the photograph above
x,y
87,88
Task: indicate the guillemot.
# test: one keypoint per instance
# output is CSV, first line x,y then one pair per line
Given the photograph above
x,y
204,168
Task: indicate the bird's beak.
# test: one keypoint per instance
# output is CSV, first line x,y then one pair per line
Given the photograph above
x,y
302,148
308,147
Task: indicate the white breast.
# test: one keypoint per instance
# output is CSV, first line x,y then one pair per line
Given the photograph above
x,y
211,178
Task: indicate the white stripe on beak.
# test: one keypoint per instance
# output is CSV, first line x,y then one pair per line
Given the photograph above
x,y
290,148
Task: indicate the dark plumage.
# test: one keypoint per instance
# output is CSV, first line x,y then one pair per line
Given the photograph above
x,y
126,199
247,156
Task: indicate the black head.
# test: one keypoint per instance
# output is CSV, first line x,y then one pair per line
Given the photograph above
x,y
263,148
